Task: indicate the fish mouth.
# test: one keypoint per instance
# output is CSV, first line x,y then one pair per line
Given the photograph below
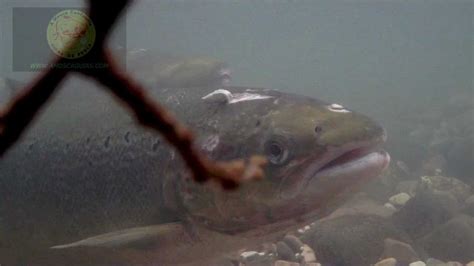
x,y
355,162
342,167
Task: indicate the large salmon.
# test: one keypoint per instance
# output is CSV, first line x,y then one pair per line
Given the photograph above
x,y
87,185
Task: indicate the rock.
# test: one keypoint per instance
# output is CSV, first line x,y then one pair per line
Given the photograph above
x,y
285,252
402,252
293,242
434,262
307,254
387,262
453,240
399,199
351,239
253,258
470,263
424,212
408,186
286,263
460,190
313,264
390,206
417,263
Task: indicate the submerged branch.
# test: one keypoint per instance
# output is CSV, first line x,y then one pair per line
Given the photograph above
x,y
19,114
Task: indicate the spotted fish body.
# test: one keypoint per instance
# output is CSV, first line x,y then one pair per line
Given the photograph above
x,y
86,178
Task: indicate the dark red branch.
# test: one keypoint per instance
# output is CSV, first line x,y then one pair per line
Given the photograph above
x,y
21,112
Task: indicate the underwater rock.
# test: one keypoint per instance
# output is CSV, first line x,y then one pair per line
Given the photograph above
x,y
399,199
453,240
454,186
293,242
387,262
417,263
308,255
285,252
402,252
424,212
351,239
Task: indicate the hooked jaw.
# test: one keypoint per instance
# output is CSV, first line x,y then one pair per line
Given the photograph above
x,y
345,166
362,159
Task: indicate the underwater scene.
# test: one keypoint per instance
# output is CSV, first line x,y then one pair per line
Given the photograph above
x,y
237,132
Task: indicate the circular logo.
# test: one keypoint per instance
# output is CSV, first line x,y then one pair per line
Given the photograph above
x,y
71,34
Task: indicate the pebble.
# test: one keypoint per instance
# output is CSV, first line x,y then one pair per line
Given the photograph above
x,y
248,254
293,242
304,229
285,252
390,206
308,254
399,199
417,263
387,262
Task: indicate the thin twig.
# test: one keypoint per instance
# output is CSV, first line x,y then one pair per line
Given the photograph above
x,y
15,119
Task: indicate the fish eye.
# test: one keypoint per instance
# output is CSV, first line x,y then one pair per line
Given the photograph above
x,y
276,152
